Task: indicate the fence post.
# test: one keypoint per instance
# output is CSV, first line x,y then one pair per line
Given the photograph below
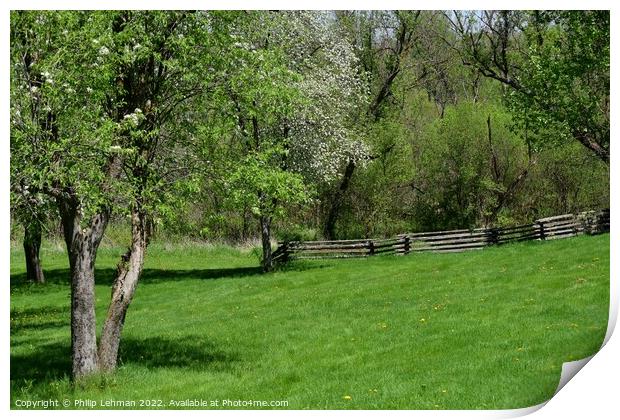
x,y
493,236
371,247
407,248
541,229
582,218
285,251
603,222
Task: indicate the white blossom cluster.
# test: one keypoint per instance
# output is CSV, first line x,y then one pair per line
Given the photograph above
x,y
47,77
324,132
134,118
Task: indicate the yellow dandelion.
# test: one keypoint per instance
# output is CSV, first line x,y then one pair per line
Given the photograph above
x,y
346,397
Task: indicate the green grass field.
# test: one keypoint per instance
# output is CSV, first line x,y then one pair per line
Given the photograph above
x,y
484,329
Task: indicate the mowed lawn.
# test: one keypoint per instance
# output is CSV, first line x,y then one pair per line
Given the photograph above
x,y
483,329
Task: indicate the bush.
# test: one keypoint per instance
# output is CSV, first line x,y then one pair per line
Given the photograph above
x,y
297,233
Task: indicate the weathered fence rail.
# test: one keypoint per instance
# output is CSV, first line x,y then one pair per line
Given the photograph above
x,y
556,227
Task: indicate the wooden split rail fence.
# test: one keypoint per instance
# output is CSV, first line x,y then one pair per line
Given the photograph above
x,y
556,227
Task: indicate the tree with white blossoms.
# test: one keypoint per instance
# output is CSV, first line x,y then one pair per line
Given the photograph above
x,y
326,128
293,91
383,40
33,123
114,83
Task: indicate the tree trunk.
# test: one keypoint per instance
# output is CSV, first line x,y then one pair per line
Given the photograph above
x,y
82,244
329,231
83,319
265,228
32,245
590,142
128,274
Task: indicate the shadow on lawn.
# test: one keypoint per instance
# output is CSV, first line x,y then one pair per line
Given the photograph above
x,y
53,361
39,318
105,276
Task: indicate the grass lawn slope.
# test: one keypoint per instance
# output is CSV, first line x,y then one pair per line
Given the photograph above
x,y
483,329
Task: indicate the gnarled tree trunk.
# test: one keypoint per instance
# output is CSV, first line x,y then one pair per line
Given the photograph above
x,y
82,244
127,276
32,246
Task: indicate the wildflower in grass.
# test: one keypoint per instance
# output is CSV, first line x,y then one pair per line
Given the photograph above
x,y
347,397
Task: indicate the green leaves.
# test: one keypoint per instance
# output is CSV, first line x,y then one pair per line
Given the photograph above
x,y
91,86
565,78
256,182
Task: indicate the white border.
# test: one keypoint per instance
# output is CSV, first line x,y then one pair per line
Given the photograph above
x,y
591,393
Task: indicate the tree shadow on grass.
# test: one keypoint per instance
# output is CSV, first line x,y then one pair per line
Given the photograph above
x,y
39,318
47,362
53,361
105,276
188,352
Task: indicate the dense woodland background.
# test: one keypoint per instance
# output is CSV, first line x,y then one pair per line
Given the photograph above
x,y
433,139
